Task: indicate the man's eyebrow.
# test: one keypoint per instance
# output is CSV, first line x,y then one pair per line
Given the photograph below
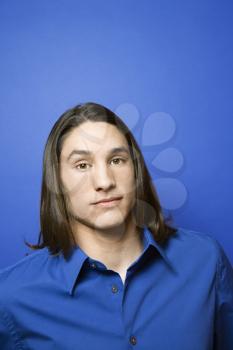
x,y
88,153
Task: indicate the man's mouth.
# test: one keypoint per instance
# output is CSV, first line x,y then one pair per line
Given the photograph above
x,y
108,202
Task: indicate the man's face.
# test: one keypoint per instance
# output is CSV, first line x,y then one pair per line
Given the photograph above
x,y
92,169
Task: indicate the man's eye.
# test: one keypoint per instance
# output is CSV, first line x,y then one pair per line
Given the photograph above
x,y
84,166
81,166
118,160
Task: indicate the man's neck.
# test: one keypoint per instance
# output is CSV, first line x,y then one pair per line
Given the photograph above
x,y
116,249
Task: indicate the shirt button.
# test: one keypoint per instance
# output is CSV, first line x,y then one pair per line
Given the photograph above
x,y
114,289
93,265
133,340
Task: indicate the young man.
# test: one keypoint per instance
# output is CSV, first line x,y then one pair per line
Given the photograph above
x,y
109,271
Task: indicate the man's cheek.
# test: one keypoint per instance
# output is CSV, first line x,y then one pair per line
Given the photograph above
x,y
76,185
81,210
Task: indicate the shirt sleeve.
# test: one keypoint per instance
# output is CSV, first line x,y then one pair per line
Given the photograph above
x,y
224,304
5,337
8,336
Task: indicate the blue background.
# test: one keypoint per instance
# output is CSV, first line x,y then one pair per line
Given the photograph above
x,y
173,57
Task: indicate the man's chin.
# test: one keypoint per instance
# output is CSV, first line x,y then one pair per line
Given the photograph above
x,y
105,227
104,224
116,227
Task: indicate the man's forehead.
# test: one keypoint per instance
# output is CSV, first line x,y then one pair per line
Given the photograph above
x,y
94,137
85,152
96,130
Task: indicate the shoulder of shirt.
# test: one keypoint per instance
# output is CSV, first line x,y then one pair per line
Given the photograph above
x,y
196,242
27,267
197,236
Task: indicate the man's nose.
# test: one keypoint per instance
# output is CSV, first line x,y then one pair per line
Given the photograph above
x,y
103,177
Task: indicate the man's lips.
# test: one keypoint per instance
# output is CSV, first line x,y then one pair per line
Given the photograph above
x,y
107,200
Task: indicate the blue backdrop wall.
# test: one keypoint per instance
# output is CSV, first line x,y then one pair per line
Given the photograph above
x,y
164,66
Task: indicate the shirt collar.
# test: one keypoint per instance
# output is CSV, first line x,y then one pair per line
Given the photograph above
x,y
72,266
150,240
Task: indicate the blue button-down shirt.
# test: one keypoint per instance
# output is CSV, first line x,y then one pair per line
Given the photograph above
x,y
178,296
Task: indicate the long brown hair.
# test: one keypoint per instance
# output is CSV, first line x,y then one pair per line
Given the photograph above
x,y
55,225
